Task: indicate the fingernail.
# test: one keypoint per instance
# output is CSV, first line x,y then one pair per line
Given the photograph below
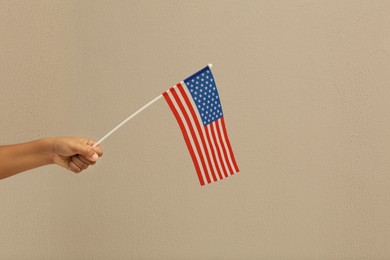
x,y
94,157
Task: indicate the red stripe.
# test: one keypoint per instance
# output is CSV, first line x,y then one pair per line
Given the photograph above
x,y
228,144
217,148
195,118
224,149
190,126
213,153
185,135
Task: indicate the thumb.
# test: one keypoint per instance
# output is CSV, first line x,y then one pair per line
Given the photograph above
x,y
85,150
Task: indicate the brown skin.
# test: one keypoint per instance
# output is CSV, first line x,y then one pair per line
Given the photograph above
x,y
72,153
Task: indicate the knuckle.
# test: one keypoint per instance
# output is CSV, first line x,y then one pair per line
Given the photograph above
x,y
74,168
90,152
83,159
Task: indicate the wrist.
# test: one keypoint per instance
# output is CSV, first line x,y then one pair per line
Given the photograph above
x,y
47,149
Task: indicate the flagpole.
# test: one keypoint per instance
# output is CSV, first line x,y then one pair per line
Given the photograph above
x,y
127,119
131,116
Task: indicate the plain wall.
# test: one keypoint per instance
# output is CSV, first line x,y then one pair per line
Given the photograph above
x,y
305,89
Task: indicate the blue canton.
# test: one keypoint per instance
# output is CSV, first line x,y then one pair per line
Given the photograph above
x,y
204,92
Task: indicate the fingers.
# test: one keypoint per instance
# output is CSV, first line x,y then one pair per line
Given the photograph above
x,y
77,165
85,150
85,160
73,167
97,148
84,154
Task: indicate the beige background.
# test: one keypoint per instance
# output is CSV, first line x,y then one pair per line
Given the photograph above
x,y
305,90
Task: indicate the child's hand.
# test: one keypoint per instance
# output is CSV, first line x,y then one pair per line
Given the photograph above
x,y
75,153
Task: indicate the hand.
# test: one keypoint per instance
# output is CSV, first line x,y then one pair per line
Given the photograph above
x,y
75,153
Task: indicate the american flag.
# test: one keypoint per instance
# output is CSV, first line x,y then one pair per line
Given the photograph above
x,y
197,108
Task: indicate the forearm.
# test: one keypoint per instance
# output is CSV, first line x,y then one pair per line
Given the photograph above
x,y
22,157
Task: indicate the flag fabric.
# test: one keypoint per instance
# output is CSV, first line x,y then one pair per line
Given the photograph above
x,y
197,108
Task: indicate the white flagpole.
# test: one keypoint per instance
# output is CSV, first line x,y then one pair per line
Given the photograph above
x,y
131,116
127,119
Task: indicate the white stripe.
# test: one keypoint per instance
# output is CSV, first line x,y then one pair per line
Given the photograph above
x,y
197,134
203,131
226,147
188,134
220,148
216,154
